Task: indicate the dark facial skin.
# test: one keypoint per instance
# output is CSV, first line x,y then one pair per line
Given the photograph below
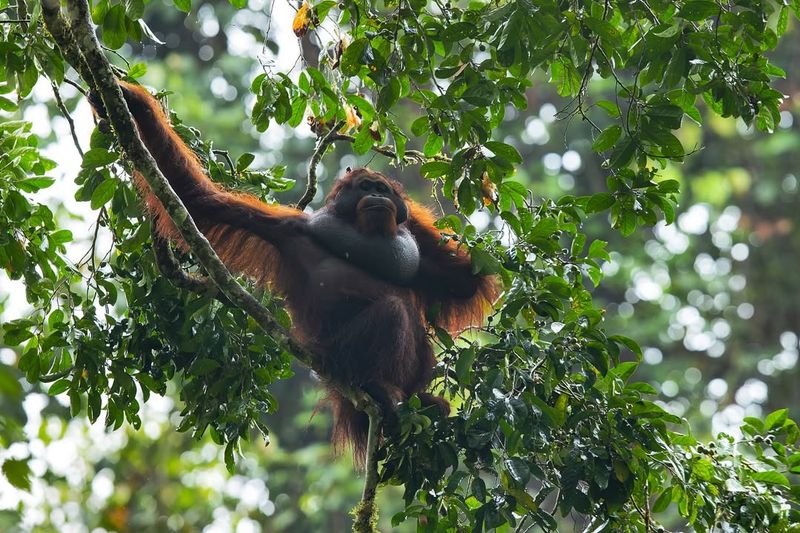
x,y
372,204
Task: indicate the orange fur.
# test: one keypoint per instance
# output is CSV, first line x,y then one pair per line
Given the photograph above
x,y
364,330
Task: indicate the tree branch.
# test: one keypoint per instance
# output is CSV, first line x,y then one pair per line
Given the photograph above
x,y
81,49
65,113
62,35
79,44
323,142
170,268
365,514
410,157
92,64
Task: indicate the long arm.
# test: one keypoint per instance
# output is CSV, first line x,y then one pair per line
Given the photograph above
x,y
244,231
445,278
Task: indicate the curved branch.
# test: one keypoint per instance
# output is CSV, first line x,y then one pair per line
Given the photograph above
x,y
170,269
94,67
311,185
79,44
65,113
411,156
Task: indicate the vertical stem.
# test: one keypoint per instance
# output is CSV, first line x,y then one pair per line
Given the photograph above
x,y
365,513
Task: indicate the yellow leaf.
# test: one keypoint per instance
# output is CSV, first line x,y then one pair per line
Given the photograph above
x,y
302,20
488,190
352,120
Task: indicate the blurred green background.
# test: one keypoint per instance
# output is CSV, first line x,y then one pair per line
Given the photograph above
x,y
713,299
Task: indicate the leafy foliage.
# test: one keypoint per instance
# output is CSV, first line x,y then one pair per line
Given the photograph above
x,y
549,422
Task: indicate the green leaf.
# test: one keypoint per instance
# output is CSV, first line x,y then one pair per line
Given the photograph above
x,y
35,184
663,501
363,141
623,154
59,386
610,107
60,237
134,9
103,193
434,169
389,95
137,71
667,115
776,418
607,138
183,5
600,202
697,10
433,145
771,477
230,463
355,55
7,105
114,31
18,473
480,94
703,469
99,11
519,470
566,77
98,157
464,364
244,161
504,151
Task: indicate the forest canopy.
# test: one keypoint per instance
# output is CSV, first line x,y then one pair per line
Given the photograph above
x,y
551,424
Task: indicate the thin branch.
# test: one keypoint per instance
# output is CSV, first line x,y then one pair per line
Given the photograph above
x,y
365,514
77,86
227,157
311,184
411,156
65,113
49,378
170,268
15,21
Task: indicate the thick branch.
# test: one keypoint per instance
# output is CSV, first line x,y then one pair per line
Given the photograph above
x,y
102,77
85,54
58,28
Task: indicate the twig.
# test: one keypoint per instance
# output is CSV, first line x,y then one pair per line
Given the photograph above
x,y
365,514
15,21
322,144
49,378
227,156
412,156
77,86
170,268
65,113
